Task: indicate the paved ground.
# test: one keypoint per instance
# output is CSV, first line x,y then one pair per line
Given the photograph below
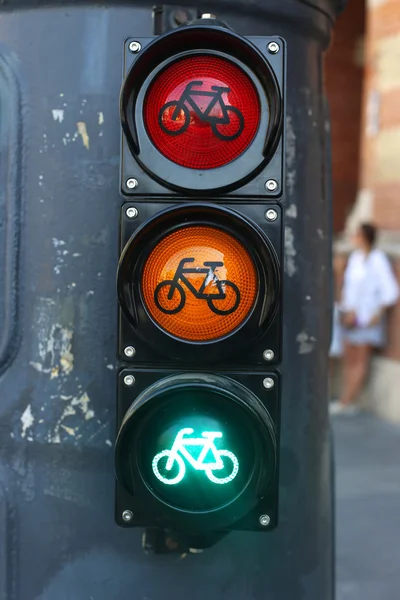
x,y
368,508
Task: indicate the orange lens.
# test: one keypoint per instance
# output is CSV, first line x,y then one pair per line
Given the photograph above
x,y
199,283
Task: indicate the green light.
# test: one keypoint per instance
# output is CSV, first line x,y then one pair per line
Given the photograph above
x,y
179,451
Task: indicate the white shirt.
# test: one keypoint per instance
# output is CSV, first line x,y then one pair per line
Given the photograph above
x,y
369,285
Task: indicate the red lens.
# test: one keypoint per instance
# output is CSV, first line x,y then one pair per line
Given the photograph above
x,y
202,112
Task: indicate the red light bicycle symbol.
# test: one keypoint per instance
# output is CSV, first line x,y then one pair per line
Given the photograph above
x,y
181,114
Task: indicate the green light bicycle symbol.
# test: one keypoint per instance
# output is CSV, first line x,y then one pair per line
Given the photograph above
x,y
167,458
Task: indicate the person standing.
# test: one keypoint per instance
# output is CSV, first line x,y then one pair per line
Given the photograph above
x,y
370,288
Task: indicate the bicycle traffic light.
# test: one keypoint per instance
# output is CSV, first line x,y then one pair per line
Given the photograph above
x,y
199,281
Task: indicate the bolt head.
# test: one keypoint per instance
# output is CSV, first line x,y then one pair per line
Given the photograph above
x,y
127,515
132,212
271,185
268,355
135,47
271,215
129,351
129,380
268,383
265,520
132,183
273,48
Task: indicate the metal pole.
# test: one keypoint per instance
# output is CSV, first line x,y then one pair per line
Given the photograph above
x,y
60,77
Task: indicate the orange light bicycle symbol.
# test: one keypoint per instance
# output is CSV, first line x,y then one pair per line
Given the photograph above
x,y
175,285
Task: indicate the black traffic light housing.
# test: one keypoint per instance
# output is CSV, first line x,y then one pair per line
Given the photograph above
x,y
166,382
259,228
259,497
262,162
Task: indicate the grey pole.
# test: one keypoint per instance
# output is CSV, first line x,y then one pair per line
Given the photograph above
x,y
60,77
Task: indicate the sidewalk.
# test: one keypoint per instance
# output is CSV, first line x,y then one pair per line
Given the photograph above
x,y
368,508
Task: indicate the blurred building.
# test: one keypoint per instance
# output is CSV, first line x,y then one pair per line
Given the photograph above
x,y
363,87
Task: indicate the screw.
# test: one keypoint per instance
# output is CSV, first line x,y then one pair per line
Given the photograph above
x,y
132,212
268,383
129,351
273,47
135,47
268,354
127,515
132,183
271,215
265,520
271,185
129,380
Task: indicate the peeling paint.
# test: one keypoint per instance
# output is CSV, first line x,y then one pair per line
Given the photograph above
x,y
291,211
83,403
82,131
109,443
60,255
55,436
57,243
306,343
27,420
55,357
69,430
101,118
290,252
58,114
36,365
291,173
59,396
58,340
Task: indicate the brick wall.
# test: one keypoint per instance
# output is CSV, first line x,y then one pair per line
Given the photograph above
x,y
343,80
380,170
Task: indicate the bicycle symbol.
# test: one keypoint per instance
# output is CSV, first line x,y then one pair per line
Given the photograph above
x,y
220,285
181,115
167,458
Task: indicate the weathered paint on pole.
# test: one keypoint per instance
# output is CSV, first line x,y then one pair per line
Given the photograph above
x,y
60,77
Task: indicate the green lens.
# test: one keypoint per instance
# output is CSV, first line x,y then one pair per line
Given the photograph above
x,y
196,450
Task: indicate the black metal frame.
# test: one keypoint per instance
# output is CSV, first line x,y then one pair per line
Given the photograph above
x,y
265,153
260,495
264,314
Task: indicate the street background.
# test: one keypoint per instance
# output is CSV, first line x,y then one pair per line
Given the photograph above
x,y
368,508
362,79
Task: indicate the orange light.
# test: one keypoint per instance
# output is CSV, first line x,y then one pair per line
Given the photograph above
x,y
199,283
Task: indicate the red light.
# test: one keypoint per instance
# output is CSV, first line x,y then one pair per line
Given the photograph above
x,y
202,112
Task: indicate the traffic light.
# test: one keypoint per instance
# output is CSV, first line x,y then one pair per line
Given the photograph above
x,y
199,281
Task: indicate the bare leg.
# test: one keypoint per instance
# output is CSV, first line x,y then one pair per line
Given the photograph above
x,y
356,364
